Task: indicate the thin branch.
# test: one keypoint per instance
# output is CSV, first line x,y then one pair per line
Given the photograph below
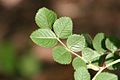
x,y
112,63
70,50
94,78
108,65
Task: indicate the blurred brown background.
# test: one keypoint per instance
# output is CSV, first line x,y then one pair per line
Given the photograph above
x,y
17,23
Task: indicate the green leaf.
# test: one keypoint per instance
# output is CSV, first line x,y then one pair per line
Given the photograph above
x,y
112,43
44,38
106,76
63,27
88,40
82,74
96,61
89,54
99,42
78,62
110,58
45,18
61,55
76,42
93,67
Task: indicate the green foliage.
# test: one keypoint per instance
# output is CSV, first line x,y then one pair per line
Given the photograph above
x,y
63,27
110,58
44,37
61,55
89,55
99,42
106,76
76,42
88,40
77,62
98,54
45,18
112,43
82,74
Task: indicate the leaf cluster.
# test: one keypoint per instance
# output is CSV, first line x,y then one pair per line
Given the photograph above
x,y
96,53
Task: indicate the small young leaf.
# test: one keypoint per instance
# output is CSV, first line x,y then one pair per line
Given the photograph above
x,y
44,38
112,43
45,18
61,55
89,54
106,76
76,42
78,62
82,74
63,27
99,42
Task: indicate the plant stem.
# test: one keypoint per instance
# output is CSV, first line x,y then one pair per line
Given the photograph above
x,y
108,65
98,73
112,63
70,50
93,66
